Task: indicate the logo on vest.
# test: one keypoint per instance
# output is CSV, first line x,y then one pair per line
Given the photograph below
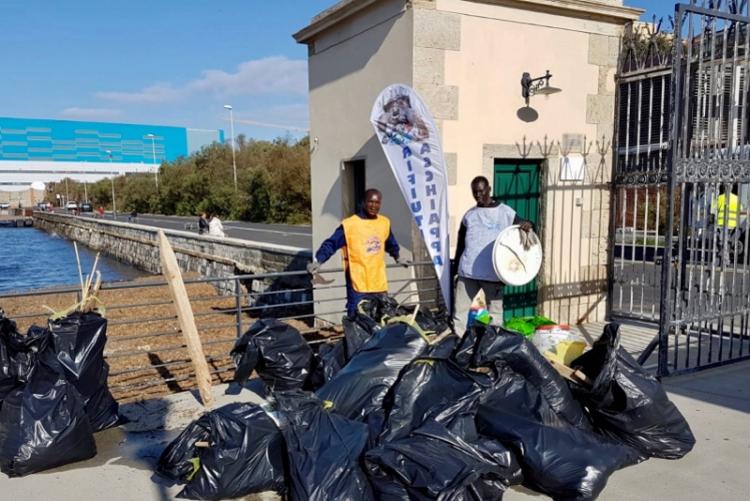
x,y
373,245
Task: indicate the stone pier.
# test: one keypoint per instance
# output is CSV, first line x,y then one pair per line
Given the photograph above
x,y
137,245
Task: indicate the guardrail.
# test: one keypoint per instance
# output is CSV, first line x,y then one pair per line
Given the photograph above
x,y
145,349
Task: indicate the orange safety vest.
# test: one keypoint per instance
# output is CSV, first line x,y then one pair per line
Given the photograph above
x,y
364,256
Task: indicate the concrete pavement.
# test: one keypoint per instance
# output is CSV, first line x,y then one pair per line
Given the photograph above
x,y
716,403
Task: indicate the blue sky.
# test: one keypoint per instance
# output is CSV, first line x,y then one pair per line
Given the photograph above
x,y
167,62
660,8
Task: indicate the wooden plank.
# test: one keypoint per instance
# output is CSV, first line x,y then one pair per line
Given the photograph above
x,y
573,374
171,272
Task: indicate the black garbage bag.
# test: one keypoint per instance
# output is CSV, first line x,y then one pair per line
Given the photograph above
x,y
79,340
7,325
43,423
532,411
324,451
246,454
360,387
366,321
331,357
19,355
277,351
434,389
8,378
500,348
356,335
443,348
465,347
375,310
326,363
564,462
628,404
433,463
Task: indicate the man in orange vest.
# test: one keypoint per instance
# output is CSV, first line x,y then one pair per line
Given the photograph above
x,y
364,239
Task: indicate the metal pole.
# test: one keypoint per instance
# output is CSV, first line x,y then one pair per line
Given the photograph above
x,y
112,180
238,306
153,156
673,158
234,155
114,204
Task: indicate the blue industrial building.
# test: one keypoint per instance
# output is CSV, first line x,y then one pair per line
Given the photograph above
x,y
50,150
66,140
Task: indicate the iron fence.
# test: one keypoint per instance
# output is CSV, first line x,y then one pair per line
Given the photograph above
x,y
682,185
145,350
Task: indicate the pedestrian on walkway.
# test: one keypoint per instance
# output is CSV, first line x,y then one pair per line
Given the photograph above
x,y
480,227
202,223
725,212
364,239
726,208
215,228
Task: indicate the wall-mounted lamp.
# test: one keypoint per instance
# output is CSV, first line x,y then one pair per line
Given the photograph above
x,y
536,86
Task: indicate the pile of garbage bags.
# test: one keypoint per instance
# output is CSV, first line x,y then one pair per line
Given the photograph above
x,y
392,412
53,393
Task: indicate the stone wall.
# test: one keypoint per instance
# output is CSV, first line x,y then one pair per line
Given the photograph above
x,y
468,60
137,245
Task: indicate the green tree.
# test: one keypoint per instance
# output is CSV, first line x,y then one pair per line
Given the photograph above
x,y
273,180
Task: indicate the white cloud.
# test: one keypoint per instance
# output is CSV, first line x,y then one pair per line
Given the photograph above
x,y
157,93
91,113
270,75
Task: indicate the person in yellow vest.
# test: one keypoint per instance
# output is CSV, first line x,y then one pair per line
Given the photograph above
x,y
364,239
727,209
726,212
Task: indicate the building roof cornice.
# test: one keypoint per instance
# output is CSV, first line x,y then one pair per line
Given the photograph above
x,y
583,8
330,17
580,8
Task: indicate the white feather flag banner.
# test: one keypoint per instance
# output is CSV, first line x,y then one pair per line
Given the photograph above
x,y
412,145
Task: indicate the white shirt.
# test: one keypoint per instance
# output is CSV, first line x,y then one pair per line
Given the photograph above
x,y
483,225
215,229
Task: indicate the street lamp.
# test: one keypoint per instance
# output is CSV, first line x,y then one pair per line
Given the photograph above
x,y
153,153
536,86
112,179
231,128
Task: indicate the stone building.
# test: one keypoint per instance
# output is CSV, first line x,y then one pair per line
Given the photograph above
x,y
551,158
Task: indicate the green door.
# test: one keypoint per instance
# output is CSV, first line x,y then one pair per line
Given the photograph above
x,y
517,184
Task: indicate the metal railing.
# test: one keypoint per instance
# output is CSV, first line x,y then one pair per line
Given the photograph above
x,y
145,349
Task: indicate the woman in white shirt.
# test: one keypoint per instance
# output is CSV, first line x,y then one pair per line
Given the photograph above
x,y
215,229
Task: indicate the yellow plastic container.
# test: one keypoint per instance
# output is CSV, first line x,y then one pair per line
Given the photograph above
x,y
567,351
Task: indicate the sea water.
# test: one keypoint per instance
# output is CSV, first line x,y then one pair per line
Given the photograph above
x,y
33,259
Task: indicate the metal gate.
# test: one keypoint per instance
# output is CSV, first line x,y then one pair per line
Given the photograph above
x,y
682,185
